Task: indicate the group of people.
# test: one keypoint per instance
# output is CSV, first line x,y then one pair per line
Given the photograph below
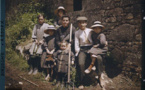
x,y
51,45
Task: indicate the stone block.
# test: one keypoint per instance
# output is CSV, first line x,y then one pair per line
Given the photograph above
x,y
117,0
111,19
129,16
102,12
119,18
117,55
122,33
133,59
138,37
129,2
128,9
109,13
118,11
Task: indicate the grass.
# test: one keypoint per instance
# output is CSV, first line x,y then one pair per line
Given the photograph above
x,y
16,60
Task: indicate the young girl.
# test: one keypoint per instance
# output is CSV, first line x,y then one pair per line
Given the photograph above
x,y
99,48
61,57
48,49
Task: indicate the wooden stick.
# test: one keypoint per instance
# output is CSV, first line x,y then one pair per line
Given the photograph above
x,y
70,39
70,32
29,81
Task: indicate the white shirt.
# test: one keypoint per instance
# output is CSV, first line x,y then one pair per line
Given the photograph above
x,y
82,38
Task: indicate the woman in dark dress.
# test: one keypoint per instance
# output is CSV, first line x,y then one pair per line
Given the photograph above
x,y
60,11
47,60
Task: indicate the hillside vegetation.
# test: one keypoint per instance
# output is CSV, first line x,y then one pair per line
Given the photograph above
x,y
19,25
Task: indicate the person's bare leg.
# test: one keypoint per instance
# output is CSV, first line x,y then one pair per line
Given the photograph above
x,y
88,70
92,63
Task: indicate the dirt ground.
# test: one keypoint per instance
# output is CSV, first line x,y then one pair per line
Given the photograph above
x,y
20,80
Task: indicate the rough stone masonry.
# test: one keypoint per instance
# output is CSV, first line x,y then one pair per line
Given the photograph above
x,y
122,21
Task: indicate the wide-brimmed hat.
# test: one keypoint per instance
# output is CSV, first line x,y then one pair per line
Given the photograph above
x,y
81,18
50,27
60,8
97,24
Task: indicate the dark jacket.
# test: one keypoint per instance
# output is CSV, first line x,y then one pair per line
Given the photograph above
x,y
63,34
99,40
61,57
49,42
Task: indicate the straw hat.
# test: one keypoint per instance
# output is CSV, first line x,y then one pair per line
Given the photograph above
x,y
60,8
81,18
50,27
97,24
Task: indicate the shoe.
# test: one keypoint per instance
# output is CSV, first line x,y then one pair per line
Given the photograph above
x,y
87,71
93,68
35,71
97,77
47,77
81,87
30,72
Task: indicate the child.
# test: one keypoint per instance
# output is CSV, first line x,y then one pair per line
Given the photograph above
x,y
48,49
62,57
99,47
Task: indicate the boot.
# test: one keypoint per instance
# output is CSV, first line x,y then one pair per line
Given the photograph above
x,y
35,71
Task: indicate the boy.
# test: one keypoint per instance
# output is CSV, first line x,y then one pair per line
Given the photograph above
x,y
61,57
99,48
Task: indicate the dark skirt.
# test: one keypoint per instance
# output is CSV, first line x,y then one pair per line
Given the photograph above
x,y
98,51
44,63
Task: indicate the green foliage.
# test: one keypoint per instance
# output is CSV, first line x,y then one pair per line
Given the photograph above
x,y
16,60
73,74
19,25
39,76
33,6
20,31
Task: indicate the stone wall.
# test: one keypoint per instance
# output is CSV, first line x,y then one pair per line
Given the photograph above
x,y
122,21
